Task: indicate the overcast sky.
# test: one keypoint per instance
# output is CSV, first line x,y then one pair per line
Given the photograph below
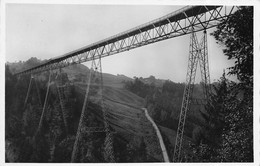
x,y
46,31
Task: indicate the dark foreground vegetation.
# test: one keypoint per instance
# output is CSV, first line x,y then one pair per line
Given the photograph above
x,y
230,112
54,142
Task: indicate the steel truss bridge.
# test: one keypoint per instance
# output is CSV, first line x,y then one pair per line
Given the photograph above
x,y
187,20
181,22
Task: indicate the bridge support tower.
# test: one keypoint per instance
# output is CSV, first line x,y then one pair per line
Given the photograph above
x,y
96,79
198,52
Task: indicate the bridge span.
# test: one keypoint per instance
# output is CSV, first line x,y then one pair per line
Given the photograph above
x,y
181,22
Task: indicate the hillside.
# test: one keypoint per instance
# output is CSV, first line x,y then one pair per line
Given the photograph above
x,y
163,105
161,97
79,73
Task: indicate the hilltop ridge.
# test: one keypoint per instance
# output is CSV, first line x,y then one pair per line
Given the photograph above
x,y
79,73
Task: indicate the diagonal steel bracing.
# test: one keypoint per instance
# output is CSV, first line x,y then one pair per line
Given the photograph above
x,y
60,90
190,78
198,53
181,22
44,107
28,91
82,116
204,66
95,77
108,143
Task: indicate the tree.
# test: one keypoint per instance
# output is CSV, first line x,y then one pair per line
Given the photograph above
x,y
236,34
10,82
230,109
237,137
208,139
215,110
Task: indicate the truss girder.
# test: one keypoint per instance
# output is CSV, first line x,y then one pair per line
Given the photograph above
x,y
181,22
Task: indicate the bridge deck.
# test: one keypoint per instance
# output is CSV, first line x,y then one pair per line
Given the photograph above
x,y
181,22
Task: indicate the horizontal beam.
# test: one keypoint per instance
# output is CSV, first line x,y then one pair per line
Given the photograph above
x,y
178,23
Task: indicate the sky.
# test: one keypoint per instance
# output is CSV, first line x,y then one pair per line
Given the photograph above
x,y
48,30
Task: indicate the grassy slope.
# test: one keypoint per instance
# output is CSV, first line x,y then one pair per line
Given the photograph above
x,y
122,106
125,119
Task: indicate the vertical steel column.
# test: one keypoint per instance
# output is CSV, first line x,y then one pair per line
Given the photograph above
x,y
59,87
109,150
44,107
75,146
28,91
190,78
38,92
198,52
25,102
108,143
204,66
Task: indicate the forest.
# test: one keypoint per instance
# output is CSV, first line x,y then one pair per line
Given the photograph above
x,y
220,131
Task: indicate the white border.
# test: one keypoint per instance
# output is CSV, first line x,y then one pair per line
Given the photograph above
x,y
255,3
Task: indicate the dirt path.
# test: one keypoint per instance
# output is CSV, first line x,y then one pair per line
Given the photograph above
x,y
164,152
